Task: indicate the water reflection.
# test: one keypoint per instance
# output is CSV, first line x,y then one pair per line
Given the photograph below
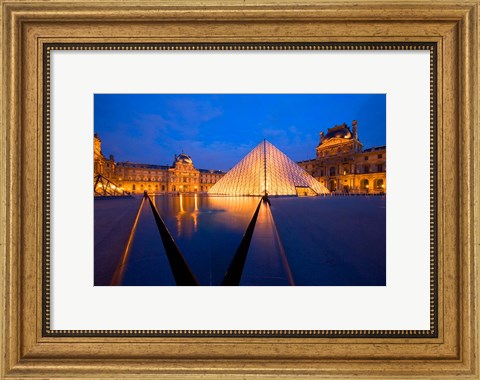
x,y
186,215
207,229
266,262
195,214
326,241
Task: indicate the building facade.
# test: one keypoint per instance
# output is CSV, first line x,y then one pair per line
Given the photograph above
x,y
180,177
344,166
102,165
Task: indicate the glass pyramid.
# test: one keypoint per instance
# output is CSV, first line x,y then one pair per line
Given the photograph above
x,y
266,170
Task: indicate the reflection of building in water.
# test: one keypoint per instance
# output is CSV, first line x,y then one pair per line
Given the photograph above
x,y
266,170
187,214
180,177
342,165
234,212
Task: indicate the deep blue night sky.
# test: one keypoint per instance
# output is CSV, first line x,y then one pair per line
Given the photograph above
x,y
217,131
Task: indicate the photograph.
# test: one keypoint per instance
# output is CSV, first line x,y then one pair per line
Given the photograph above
x,y
239,189
244,144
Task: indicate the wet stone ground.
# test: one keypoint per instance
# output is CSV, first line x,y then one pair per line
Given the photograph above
x,y
308,241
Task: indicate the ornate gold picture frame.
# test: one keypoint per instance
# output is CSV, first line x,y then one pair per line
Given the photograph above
x,y
32,29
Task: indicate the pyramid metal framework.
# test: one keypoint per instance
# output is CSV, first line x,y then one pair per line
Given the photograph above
x,y
266,170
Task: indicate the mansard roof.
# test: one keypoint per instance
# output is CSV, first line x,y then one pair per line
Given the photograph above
x,y
339,131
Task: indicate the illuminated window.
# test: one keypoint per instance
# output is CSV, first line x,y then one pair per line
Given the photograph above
x,y
379,185
364,184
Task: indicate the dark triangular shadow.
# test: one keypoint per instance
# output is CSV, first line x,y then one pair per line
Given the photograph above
x,y
235,269
180,268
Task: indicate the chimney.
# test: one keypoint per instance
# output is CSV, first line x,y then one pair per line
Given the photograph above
x,y
354,129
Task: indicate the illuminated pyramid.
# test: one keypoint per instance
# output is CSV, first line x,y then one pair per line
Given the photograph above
x,y
266,170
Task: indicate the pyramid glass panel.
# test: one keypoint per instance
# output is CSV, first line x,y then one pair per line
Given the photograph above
x,y
266,170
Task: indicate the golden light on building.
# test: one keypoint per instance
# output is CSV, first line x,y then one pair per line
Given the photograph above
x,y
180,177
344,166
341,165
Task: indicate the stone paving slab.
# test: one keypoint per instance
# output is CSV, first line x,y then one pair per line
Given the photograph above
x,y
333,241
113,221
147,263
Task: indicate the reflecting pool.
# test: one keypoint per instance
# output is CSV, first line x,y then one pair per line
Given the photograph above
x,y
207,230
324,241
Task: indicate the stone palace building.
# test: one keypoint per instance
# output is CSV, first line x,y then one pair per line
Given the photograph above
x,y
341,164
180,177
344,166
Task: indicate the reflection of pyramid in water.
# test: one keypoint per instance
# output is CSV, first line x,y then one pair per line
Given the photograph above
x,y
267,170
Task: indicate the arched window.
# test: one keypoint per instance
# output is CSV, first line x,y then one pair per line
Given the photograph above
x,y
332,185
379,184
133,187
364,184
332,171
